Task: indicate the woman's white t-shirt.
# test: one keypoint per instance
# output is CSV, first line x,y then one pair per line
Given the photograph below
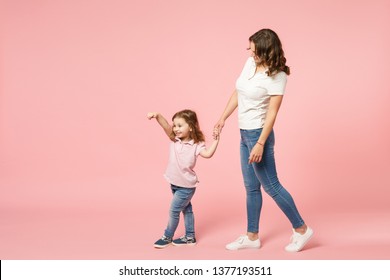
x,y
254,92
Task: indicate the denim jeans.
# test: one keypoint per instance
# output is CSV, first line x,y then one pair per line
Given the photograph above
x,y
263,174
181,202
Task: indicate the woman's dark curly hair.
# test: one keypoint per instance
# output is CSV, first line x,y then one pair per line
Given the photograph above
x,y
268,49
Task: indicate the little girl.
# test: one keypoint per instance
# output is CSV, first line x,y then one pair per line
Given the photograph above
x,y
187,143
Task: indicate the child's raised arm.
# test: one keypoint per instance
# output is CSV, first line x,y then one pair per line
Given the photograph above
x,y
162,122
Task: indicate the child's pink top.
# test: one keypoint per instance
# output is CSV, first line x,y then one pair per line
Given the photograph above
x,y
182,159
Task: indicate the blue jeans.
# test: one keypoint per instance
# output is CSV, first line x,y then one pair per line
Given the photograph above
x,y
264,174
181,202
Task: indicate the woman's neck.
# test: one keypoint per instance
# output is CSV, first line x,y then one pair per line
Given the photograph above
x,y
261,68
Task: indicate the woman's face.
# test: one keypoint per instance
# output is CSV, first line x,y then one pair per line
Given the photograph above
x,y
252,49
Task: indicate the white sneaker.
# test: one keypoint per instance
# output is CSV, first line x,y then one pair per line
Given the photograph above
x,y
243,242
298,241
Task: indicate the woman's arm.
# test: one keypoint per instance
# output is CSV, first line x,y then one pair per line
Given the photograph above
x,y
162,122
229,109
273,109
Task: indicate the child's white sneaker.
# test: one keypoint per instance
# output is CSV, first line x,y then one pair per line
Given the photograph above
x,y
298,241
243,242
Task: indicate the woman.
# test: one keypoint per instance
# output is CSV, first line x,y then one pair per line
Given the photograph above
x,y
258,96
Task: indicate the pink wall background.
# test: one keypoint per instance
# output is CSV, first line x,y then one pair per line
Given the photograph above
x,y
78,77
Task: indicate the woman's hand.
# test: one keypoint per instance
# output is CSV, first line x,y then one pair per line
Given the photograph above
x,y
218,127
230,107
216,134
256,153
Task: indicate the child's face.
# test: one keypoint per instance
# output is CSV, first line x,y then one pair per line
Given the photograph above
x,y
181,129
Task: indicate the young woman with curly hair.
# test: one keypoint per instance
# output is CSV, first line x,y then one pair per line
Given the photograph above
x,y
258,96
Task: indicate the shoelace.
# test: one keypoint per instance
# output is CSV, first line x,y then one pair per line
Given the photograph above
x,y
294,239
185,239
164,238
240,239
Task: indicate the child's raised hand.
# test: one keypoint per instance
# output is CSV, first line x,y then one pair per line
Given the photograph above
x,y
151,115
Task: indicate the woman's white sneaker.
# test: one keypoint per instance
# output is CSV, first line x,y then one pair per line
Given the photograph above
x,y
298,241
243,242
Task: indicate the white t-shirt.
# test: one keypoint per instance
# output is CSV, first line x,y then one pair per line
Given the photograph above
x,y
254,92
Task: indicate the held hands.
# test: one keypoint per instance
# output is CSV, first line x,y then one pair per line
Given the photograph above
x,y
219,125
216,134
218,129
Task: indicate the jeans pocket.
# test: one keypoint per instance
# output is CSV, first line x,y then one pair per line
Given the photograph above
x,y
251,134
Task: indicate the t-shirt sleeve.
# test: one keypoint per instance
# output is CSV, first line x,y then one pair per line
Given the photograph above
x,y
277,85
200,146
247,66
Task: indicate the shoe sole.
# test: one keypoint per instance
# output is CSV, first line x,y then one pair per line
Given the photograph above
x,y
242,248
161,246
185,244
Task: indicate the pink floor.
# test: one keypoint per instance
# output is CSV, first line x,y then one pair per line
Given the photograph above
x,y
125,233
